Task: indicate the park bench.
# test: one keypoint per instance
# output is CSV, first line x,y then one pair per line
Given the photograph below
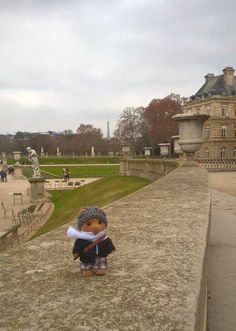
x,y
70,184
77,184
57,183
48,184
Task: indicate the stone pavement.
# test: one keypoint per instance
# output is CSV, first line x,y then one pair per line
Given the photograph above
x,y
222,254
6,192
12,185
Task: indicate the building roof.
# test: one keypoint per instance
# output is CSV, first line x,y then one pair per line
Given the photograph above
x,y
216,85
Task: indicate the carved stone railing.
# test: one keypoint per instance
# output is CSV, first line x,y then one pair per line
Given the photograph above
x,y
8,235
157,278
150,169
218,165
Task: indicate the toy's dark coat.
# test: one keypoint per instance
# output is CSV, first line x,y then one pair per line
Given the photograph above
x,y
102,249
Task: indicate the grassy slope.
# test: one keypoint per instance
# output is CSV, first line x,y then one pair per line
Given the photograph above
x,y
99,193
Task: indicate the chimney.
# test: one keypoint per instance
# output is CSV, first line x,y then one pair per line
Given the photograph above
x,y
209,76
229,75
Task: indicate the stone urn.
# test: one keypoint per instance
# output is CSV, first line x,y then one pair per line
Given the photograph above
x,y
177,148
190,134
17,156
164,149
147,151
125,148
17,166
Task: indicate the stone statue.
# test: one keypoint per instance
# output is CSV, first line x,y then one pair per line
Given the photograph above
x,y
32,157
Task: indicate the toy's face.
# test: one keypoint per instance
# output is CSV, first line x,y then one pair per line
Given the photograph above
x,y
94,225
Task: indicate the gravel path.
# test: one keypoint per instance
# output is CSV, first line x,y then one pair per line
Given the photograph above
x,y
222,253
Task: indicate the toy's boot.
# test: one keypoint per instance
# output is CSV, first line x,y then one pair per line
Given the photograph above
x,y
87,273
101,272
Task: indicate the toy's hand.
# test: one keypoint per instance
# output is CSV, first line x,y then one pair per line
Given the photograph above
x,y
76,255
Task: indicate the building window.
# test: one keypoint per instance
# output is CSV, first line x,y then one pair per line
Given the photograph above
x,y
224,110
222,152
223,131
207,132
207,153
234,152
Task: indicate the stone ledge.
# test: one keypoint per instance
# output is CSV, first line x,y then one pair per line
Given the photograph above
x,y
157,274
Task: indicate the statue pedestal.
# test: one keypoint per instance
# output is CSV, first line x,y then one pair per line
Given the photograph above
x,y
37,189
18,171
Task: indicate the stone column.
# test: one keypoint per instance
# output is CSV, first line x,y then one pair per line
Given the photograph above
x,y
124,167
37,189
58,152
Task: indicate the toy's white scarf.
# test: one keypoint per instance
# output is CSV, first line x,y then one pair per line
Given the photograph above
x,y
74,233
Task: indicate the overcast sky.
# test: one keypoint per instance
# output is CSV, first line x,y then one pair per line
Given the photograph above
x,y
66,62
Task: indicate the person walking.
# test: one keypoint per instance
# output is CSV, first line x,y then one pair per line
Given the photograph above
x,y
3,171
66,174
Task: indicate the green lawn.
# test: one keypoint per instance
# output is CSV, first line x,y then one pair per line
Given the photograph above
x,y
79,160
70,160
76,172
99,193
82,171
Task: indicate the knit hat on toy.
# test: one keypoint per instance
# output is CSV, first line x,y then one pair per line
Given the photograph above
x,y
90,213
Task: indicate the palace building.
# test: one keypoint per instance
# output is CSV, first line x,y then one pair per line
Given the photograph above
x,y
217,97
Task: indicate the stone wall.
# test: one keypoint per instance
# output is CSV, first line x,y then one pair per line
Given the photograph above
x,y
157,278
150,169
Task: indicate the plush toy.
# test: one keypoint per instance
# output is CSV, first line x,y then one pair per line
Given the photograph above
x,y
92,245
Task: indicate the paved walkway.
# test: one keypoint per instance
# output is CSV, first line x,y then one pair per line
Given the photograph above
x,y
222,254
12,185
6,196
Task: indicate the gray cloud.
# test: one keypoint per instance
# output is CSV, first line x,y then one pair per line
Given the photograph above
x,y
69,62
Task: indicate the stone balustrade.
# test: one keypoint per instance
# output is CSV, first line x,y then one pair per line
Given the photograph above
x,y
157,278
150,169
8,235
218,164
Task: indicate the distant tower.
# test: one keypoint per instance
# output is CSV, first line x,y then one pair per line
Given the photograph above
x,y
108,131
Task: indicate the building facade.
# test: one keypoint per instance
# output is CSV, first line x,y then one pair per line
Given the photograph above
x,y
217,97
